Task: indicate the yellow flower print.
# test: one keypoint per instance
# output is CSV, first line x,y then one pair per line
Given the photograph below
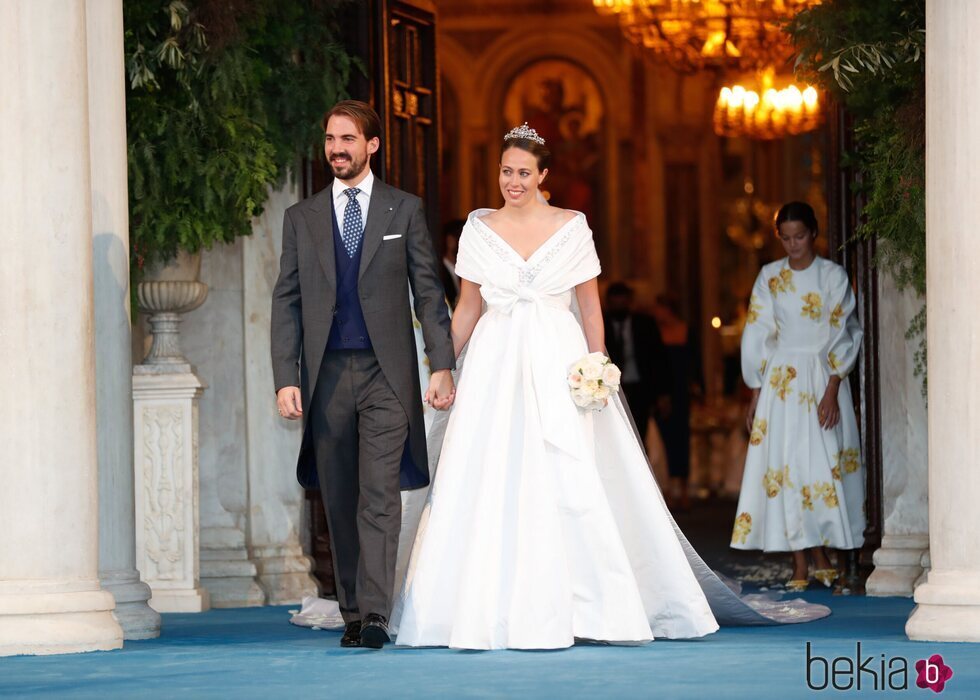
x,y
743,526
783,282
786,482
754,308
759,427
786,275
833,361
774,480
812,306
835,316
827,492
807,498
835,472
849,459
808,399
780,380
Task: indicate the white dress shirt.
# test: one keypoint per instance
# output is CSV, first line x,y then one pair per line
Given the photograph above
x,y
341,200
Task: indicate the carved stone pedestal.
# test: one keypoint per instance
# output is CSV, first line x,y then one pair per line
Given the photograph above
x,y
167,546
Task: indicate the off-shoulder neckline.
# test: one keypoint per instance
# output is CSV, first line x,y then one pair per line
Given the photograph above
x,y
478,215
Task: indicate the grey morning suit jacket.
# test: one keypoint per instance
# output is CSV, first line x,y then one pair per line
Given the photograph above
x,y
304,299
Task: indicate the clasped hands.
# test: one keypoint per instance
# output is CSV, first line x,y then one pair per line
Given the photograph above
x,y
442,390
440,395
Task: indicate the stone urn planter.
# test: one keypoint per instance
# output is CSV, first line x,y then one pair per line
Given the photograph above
x,y
167,292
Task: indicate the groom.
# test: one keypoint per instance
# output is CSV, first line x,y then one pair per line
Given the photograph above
x,y
343,358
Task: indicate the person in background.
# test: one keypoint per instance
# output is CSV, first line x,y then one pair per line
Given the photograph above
x,y
674,418
450,239
634,344
803,485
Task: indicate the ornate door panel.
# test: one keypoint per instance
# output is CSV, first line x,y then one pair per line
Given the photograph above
x,y
411,102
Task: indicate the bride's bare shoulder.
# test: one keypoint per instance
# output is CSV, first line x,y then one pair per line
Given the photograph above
x,y
563,216
487,215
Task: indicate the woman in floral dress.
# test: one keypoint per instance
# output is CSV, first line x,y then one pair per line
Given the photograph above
x,y
803,485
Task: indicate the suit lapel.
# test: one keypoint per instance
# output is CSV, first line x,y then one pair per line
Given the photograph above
x,y
381,210
319,221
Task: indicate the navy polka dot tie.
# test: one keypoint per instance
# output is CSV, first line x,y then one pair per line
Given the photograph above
x,y
353,223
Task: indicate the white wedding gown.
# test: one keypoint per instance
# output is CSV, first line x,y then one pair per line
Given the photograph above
x,y
544,523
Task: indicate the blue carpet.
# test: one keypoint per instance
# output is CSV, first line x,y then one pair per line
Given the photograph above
x,y
255,653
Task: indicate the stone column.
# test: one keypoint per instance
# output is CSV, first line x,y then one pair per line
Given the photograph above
x,y
898,562
275,498
50,597
949,599
213,337
113,362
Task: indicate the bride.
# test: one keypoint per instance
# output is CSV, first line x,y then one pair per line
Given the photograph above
x,y
544,524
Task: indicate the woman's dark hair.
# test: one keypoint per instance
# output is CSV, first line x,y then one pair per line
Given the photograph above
x,y
538,150
797,211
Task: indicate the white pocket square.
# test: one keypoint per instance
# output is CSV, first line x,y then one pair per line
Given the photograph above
x,y
391,237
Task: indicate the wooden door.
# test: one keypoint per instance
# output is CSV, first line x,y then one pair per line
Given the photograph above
x,y
844,204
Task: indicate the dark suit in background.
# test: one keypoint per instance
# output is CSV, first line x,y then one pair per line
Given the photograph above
x,y
634,344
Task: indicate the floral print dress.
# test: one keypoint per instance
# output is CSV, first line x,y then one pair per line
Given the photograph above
x,y
803,486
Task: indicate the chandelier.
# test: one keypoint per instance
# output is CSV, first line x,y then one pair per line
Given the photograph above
x,y
695,34
768,113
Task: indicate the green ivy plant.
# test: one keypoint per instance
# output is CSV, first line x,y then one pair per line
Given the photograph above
x,y
869,54
223,98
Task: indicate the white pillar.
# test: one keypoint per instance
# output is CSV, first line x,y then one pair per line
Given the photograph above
x,y
898,562
113,361
167,545
275,498
50,597
949,600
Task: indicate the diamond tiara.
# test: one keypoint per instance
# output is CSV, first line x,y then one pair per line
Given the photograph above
x,y
524,132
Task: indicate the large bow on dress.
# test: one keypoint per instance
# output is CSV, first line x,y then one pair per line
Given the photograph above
x,y
544,367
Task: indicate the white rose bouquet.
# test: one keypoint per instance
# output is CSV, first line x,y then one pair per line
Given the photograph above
x,y
592,380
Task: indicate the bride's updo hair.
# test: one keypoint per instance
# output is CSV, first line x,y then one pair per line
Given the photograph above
x,y
527,139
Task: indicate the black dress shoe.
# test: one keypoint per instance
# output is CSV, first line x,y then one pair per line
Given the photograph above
x,y
374,631
352,635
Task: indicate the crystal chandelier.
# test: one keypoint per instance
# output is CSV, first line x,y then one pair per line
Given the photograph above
x,y
768,113
695,34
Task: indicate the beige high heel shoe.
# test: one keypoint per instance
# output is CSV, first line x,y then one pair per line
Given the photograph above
x,y
826,576
797,585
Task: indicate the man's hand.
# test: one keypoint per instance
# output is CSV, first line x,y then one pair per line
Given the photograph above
x,y
442,391
289,402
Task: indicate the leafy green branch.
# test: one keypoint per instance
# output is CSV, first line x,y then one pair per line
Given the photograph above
x,y
874,58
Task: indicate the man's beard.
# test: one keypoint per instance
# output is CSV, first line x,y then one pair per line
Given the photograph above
x,y
351,169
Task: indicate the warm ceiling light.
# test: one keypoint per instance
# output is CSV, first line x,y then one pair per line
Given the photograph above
x,y
767,113
694,34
